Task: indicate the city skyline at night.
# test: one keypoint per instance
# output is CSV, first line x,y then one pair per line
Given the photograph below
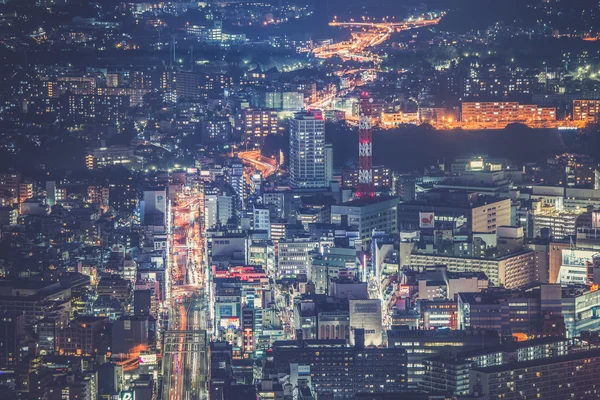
x,y
299,199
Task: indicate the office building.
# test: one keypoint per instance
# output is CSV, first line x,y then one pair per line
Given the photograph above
x,y
236,178
553,223
379,214
483,213
290,101
294,256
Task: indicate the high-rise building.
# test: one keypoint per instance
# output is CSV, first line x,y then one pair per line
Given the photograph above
x,y
512,271
122,196
111,156
238,183
209,34
367,216
307,151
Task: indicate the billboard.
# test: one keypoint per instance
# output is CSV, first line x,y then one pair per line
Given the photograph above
x,y
579,258
426,219
404,291
596,219
148,359
127,395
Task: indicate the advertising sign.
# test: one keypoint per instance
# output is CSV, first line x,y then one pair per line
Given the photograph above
x,y
579,258
148,359
596,219
426,220
128,395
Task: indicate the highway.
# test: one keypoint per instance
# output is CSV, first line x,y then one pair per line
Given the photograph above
x,y
184,362
370,35
264,165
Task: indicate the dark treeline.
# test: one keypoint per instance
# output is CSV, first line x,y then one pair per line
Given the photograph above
x,y
413,148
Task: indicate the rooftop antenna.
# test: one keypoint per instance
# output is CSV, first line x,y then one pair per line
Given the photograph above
x,y
173,49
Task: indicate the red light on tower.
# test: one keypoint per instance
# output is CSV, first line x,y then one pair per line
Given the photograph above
x,y
365,149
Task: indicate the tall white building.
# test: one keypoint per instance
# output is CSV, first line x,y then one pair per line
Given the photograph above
x,y
210,211
236,180
307,151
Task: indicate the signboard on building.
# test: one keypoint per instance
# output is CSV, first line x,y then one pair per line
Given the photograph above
x,y
426,220
404,291
579,258
596,219
575,265
148,359
128,395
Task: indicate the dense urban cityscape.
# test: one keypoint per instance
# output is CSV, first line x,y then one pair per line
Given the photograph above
x,y
299,199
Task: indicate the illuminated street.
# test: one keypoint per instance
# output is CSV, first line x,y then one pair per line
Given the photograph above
x,y
372,34
185,364
265,166
360,48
